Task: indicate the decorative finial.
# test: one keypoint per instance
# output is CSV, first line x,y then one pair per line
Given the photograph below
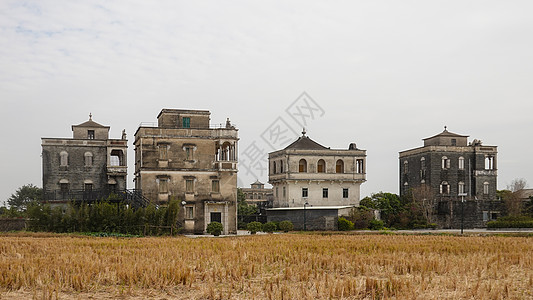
x,y
304,132
445,127
90,116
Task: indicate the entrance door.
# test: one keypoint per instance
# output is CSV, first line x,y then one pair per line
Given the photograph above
x,y
216,217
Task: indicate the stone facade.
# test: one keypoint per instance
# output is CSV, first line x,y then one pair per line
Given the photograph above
x,y
184,158
307,172
88,166
448,169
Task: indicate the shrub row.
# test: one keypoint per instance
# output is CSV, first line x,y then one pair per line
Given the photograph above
x,y
270,227
104,217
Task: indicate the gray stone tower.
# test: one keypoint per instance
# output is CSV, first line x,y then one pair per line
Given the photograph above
x,y
447,170
88,166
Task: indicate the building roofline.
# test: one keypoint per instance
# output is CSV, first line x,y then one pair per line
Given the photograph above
x,y
184,111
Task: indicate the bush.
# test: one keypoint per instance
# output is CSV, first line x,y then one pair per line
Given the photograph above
x,y
345,225
286,226
214,228
269,227
376,224
254,227
512,222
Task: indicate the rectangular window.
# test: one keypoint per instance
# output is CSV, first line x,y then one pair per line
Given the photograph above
x,y
163,186
90,134
485,216
186,122
276,192
189,212
215,186
305,193
163,152
189,153
64,188
324,193
284,192
454,142
344,193
189,185
88,187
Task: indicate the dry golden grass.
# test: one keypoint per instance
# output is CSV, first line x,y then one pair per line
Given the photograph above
x,y
288,266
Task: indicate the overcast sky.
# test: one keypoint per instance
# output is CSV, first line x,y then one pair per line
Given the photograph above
x,y
382,74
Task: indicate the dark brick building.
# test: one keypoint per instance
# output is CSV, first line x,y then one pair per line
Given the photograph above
x,y
446,170
88,166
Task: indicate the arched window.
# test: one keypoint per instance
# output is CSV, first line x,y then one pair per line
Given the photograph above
x,y
405,167
489,163
445,162
461,163
116,158
339,166
461,187
321,166
274,168
485,188
444,188
88,159
423,163
63,161
302,166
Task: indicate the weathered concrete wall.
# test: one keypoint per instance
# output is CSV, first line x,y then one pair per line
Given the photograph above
x,y
324,219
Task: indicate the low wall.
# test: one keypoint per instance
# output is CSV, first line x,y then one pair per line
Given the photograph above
x,y
13,224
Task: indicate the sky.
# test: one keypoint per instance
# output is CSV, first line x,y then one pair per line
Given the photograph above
x,y
381,74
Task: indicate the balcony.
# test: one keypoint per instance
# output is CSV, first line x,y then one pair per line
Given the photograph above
x,y
117,170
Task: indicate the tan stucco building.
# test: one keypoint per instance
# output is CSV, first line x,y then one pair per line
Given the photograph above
x,y
185,158
307,173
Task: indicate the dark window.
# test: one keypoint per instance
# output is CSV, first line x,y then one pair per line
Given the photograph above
x,y
345,193
88,187
305,192
90,134
186,122
216,217
454,142
324,193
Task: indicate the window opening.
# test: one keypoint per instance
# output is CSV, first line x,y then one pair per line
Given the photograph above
x,y
302,166
344,193
305,192
321,166
339,166
186,122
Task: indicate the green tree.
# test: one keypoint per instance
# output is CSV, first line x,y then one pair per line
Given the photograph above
x,y
243,208
24,196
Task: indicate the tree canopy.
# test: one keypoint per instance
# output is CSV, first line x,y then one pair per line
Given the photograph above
x,y
25,195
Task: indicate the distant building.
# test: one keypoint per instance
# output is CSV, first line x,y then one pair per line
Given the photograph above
x,y
185,158
258,195
307,172
87,167
313,185
446,170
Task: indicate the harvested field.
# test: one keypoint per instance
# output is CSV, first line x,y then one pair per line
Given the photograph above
x,y
285,266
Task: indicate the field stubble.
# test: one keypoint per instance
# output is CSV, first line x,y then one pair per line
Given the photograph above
x,y
288,266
